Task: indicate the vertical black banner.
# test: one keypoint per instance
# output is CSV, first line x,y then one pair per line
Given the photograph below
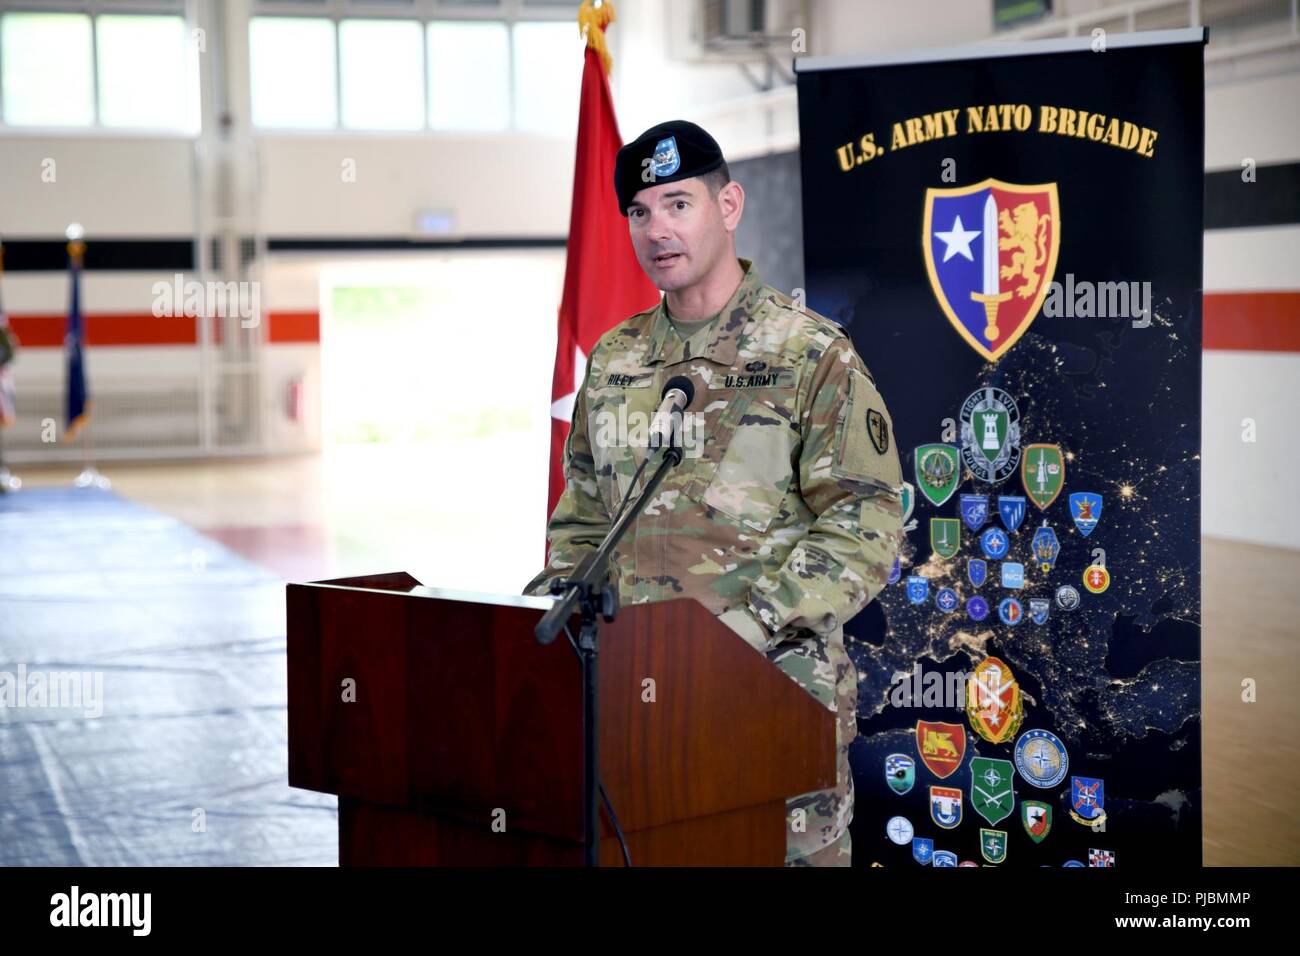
x,y
1013,240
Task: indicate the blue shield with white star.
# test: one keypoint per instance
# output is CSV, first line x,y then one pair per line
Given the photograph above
x,y
990,251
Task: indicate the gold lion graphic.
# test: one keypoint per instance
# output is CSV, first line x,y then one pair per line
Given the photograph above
x,y
936,743
1026,233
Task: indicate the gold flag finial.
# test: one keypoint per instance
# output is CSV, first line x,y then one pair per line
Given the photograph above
x,y
593,17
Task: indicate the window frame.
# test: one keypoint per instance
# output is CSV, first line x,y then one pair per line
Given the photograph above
x,y
94,9
425,12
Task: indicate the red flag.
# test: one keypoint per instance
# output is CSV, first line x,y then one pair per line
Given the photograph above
x,y
603,282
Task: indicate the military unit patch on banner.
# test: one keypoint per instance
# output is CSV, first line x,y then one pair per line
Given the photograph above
x,y
993,845
1085,509
990,788
1039,610
965,230
1087,800
994,543
900,772
1011,509
993,703
977,609
899,830
922,850
909,500
1041,758
918,588
1100,857
945,536
938,470
1096,578
945,806
944,858
1010,612
975,510
1036,817
941,746
895,572
977,570
990,434
1043,473
1046,547
1067,597
946,600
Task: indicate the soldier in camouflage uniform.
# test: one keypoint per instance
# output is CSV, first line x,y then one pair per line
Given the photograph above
x,y
785,518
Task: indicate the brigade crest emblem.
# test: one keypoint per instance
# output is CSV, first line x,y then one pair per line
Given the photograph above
x,y
990,251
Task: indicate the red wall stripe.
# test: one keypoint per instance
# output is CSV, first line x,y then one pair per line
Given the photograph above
x,y
294,327
128,328
1252,321
1234,321
34,331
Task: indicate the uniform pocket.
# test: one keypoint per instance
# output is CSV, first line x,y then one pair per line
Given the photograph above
x,y
754,471
613,458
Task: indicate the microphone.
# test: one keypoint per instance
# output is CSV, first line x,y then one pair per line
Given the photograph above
x,y
677,394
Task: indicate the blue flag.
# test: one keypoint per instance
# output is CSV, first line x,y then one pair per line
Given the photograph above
x,y
74,340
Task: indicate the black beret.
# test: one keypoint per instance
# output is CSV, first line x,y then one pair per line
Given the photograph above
x,y
677,150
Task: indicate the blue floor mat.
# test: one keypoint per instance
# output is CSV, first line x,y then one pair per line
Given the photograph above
x,y
187,763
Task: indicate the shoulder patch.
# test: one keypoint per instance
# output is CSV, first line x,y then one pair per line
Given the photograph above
x,y
865,450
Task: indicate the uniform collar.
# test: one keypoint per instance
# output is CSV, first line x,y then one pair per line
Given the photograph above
x,y
727,327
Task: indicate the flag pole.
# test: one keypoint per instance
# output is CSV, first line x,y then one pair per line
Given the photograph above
x,y
78,411
8,481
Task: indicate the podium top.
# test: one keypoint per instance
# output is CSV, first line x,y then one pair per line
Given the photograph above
x,y
536,602
402,583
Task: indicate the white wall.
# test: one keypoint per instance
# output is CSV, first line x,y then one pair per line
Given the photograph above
x,y
114,186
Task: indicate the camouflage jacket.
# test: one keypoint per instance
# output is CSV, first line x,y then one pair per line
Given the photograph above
x,y
788,502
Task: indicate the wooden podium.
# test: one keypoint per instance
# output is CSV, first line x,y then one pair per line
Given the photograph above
x,y
453,738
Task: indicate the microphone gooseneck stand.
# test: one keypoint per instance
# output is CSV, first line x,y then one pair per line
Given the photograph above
x,y
588,592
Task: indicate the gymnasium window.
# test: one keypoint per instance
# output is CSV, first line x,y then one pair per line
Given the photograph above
x,y
373,72
293,62
98,67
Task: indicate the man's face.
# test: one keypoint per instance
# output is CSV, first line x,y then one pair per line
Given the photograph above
x,y
679,232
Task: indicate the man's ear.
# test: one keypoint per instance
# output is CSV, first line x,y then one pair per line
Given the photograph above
x,y
731,200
